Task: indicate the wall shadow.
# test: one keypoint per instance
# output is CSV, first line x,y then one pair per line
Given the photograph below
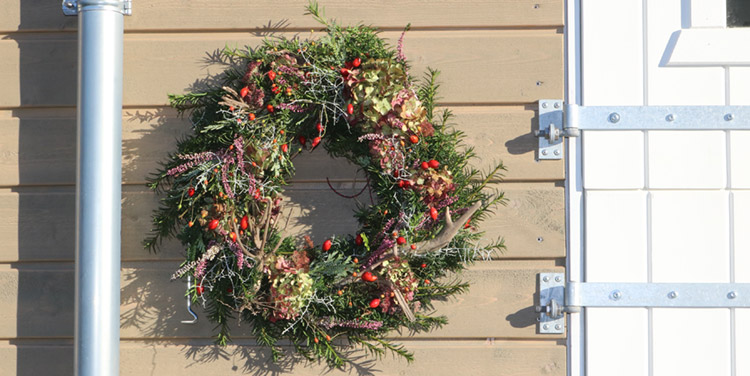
x,y
43,114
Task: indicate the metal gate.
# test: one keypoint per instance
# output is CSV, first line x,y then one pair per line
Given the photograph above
x,y
658,190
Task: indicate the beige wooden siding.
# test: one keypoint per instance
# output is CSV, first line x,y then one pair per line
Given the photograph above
x,y
497,58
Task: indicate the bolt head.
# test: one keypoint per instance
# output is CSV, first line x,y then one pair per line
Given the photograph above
x,y
558,326
558,279
614,117
557,104
546,327
672,295
557,152
732,295
616,295
728,117
544,152
544,104
670,117
545,279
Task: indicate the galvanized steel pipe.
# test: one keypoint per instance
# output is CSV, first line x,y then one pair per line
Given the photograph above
x,y
98,191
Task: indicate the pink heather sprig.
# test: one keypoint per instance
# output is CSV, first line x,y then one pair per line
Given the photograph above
x,y
290,71
375,256
238,254
200,269
194,159
291,107
329,323
228,159
371,137
385,229
400,47
239,148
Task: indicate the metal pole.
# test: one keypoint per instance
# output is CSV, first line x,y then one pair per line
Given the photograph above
x,y
99,173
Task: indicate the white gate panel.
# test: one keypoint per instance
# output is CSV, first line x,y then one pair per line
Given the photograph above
x,y
601,87
660,206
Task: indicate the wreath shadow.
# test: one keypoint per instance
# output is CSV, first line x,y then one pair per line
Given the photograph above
x,y
153,308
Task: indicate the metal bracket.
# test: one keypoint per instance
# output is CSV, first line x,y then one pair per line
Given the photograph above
x,y
551,300
73,7
552,129
556,297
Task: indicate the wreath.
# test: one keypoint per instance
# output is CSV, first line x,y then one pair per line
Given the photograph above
x,y
350,93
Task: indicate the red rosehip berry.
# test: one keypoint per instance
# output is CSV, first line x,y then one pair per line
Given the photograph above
x,y
244,91
199,290
269,108
191,191
213,224
350,108
251,116
400,240
356,62
319,127
374,303
358,240
271,75
244,223
327,245
433,213
302,140
425,165
413,247
369,277
400,183
285,148
414,139
423,266
434,164
315,142
233,236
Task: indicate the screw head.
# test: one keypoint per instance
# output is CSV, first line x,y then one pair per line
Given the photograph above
x,y
672,294
69,4
536,6
732,295
614,117
544,152
557,104
540,239
558,326
539,83
546,327
728,117
544,104
545,279
557,152
558,279
670,117
616,295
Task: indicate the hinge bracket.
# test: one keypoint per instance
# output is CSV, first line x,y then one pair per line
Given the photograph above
x,y
73,7
556,297
552,129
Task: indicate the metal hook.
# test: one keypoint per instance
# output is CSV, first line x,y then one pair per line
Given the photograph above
x,y
189,308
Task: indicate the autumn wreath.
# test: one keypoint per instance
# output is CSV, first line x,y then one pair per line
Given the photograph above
x,y
222,195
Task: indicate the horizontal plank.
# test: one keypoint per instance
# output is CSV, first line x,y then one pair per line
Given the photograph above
x,y
164,357
481,66
43,15
38,301
40,222
39,146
